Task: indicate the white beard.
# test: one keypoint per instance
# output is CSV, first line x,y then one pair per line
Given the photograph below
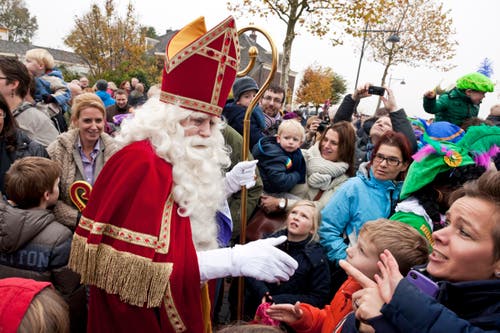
x,y
197,164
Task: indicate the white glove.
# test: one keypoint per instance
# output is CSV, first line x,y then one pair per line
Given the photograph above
x,y
242,174
258,259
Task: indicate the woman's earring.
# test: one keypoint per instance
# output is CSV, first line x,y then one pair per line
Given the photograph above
x,y
497,275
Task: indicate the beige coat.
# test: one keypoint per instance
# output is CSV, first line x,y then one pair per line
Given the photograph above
x,y
63,150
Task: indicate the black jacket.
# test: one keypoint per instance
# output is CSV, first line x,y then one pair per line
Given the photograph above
x,y
24,147
400,123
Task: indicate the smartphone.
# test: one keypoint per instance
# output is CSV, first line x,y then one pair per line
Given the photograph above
x,y
374,90
426,285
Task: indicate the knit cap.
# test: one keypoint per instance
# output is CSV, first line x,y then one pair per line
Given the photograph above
x,y
243,84
475,81
101,85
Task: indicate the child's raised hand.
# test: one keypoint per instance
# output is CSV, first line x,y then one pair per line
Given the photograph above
x,y
287,313
389,276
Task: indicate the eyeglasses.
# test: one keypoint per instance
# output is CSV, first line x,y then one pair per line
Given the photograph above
x,y
392,161
3,77
275,100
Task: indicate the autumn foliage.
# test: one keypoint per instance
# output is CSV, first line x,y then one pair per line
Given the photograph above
x,y
108,42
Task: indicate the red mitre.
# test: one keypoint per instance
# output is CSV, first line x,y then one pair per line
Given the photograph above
x,y
200,66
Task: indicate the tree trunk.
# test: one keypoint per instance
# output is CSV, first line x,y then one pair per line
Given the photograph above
x,y
287,51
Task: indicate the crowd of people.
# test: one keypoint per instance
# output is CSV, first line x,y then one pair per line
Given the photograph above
x,y
385,224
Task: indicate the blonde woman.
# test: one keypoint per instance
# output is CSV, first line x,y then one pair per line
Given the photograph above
x,y
81,152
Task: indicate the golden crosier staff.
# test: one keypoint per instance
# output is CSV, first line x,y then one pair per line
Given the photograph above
x,y
253,53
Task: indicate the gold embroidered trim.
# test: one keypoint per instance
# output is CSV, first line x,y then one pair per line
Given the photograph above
x,y
160,244
166,219
194,48
137,280
191,103
172,313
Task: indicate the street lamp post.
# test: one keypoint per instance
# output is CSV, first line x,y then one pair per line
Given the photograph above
x,y
394,38
395,79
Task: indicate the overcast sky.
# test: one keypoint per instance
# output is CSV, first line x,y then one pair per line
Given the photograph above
x,y
476,22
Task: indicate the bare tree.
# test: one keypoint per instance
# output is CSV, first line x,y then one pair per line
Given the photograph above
x,y
426,36
321,18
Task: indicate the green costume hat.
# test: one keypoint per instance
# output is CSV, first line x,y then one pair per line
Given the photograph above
x,y
477,146
475,81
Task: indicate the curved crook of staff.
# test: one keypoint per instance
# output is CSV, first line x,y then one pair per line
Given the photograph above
x,y
253,53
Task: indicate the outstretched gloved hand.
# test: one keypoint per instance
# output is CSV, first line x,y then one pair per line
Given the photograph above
x,y
259,259
242,174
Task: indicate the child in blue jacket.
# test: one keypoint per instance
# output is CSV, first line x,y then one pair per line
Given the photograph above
x,y
281,163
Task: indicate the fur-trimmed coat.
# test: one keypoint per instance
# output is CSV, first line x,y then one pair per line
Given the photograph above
x,y
64,151
321,175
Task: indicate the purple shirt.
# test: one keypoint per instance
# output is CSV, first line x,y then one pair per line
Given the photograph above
x,y
89,165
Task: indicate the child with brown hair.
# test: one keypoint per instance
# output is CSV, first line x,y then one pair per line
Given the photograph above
x,y
32,243
405,243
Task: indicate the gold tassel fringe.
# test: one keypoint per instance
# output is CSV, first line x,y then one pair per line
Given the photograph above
x,y
137,280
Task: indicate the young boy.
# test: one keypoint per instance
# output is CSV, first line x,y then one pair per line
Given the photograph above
x,y
51,92
404,242
244,90
281,163
461,102
33,244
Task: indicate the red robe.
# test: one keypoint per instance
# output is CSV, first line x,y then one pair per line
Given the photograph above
x,y
135,251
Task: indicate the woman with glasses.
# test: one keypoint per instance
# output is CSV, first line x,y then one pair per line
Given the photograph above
x,y
371,194
14,143
15,81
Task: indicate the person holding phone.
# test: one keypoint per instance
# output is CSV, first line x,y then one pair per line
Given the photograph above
x,y
390,117
465,262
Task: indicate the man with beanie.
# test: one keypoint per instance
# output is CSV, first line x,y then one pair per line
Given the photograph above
x,y
148,235
101,86
244,90
461,102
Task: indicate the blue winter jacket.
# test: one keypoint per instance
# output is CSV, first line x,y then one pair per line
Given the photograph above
x,y
105,98
43,87
360,199
471,307
279,170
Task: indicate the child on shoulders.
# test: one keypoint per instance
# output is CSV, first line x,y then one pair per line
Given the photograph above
x,y
51,92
